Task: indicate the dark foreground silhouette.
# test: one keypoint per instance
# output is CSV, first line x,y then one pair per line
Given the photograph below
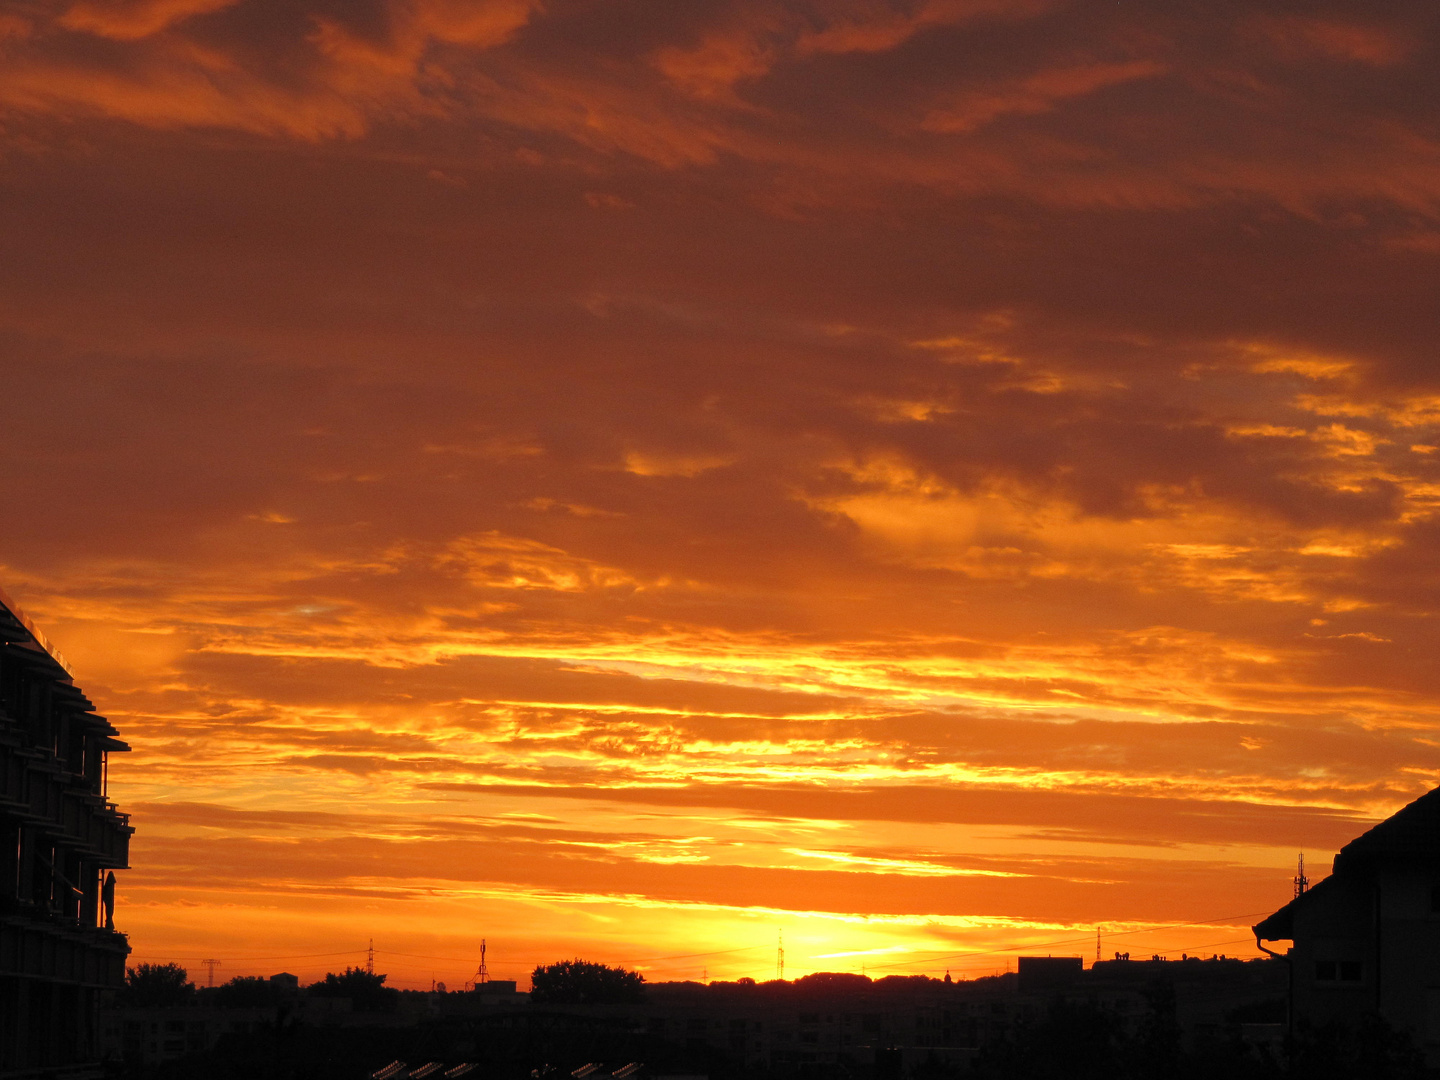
x,y
1073,1040
1082,1041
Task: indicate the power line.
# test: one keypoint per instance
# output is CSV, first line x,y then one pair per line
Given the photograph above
x,y
372,951
694,955
1208,945
1216,921
664,968
641,960
291,956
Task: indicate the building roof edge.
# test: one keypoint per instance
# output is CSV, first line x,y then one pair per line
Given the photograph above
x,y
36,634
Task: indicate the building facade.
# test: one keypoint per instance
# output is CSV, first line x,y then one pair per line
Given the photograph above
x,y
149,1037
60,837
1367,938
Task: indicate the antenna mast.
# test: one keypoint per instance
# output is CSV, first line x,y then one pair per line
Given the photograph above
x,y
1301,881
780,957
482,973
1097,944
370,958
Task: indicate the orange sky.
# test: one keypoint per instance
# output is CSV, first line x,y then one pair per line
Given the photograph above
x,y
625,479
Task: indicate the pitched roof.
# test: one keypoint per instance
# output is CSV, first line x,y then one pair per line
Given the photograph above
x,y
1411,833
1281,925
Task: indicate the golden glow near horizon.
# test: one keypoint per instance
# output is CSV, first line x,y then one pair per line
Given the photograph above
x,y
935,479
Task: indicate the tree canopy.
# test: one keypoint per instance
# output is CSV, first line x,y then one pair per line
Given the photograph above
x,y
150,985
580,982
246,991
366,991
833,981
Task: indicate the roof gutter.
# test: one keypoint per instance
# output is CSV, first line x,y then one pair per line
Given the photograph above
x,y
1289,984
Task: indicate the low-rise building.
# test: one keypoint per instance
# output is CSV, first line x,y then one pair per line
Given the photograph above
x,y
822,1025
152,1036
1366,939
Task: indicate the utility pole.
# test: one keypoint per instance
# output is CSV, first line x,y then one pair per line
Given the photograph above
x,y
370,958
211,965
1301,881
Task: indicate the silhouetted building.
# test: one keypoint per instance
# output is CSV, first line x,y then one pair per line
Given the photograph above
x,y
148,1037
502,989
846,1024
59,836
834,1024
1366,939
1039,974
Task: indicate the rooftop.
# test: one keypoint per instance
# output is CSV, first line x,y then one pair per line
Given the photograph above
x,y
17,628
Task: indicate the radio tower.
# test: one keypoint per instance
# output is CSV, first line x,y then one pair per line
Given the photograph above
x,y
370,958
482,973
780,958
1097,944
1301,881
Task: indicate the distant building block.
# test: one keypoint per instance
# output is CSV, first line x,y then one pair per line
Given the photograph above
x,y
1042,974
1366,939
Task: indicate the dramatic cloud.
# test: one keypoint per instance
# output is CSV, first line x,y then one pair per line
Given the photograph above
x,y
621,480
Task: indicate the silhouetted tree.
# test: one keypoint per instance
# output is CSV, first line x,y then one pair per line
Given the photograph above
x,y
152,985
367,992
247,991
1078,1040
1369,1049
579,982
833,982
1155,1050
1222,1054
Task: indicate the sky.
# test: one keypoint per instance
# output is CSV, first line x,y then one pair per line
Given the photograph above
x,y
627,480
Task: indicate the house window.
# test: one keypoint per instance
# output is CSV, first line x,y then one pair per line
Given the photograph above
x,y
1325,970
1350,970
1345,971
1435,899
